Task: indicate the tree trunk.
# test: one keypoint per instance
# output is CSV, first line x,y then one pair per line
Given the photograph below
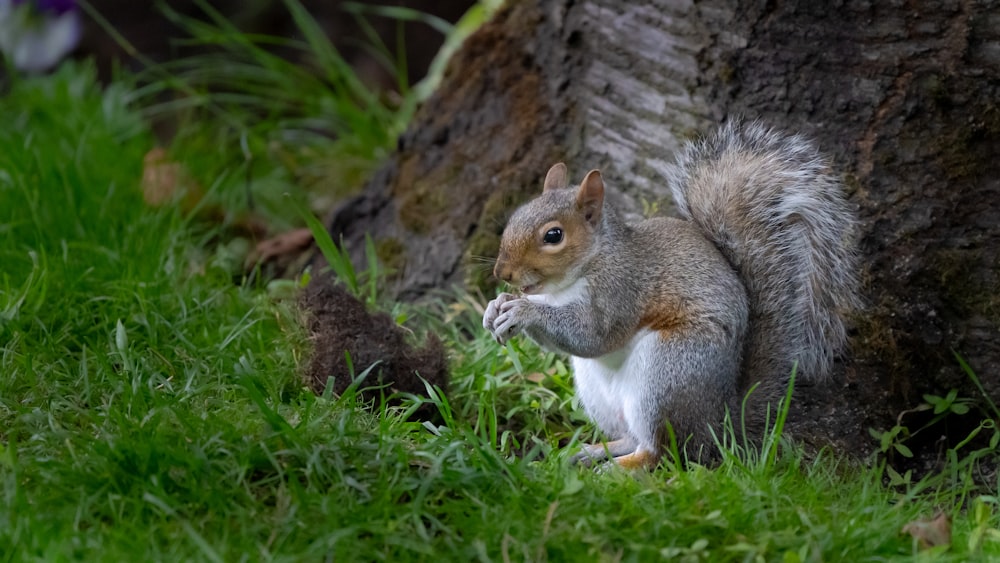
x,y
903,96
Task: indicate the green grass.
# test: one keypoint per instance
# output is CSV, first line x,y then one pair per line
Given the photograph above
x,y
150,409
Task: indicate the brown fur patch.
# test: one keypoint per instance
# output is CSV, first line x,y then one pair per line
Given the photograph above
x,y
664,318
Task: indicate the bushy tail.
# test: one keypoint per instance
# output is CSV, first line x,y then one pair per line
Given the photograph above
x,y
772,206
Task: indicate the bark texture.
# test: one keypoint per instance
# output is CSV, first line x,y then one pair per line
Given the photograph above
x,y
902,95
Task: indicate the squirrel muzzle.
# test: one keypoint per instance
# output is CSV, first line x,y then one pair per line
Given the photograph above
x,y
503,270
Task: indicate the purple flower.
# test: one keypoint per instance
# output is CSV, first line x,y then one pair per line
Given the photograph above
x,y
35,35
57,7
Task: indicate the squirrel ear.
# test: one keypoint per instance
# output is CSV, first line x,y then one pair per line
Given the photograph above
x,y
590,197
557,178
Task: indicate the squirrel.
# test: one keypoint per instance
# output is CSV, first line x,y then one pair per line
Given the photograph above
x,y
670,320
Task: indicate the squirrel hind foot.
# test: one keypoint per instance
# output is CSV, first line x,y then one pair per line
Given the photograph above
x,y
620,452
602,451
585,459
639,459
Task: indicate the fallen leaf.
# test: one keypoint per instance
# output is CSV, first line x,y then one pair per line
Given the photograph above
x,y
930,532
164,180
286,243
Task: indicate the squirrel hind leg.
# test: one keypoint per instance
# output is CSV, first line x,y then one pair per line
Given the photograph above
x,y
604,450
639,459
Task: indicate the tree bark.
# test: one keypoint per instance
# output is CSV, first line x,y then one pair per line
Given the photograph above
x,y
903,96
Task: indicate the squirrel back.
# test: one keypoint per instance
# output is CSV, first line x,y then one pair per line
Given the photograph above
x,y
772,206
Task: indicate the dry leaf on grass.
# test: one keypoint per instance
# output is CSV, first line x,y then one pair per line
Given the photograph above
x,y
930,532
291,242
163,180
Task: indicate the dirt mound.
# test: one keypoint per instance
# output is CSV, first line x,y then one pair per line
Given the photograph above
x,y
339,322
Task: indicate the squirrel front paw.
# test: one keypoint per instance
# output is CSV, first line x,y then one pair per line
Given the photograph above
x,y
505,316
493,311
515,315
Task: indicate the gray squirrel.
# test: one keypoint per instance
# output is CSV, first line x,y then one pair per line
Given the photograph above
x,y
674,319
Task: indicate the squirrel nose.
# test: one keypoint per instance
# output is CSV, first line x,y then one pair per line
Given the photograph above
x,y
501,271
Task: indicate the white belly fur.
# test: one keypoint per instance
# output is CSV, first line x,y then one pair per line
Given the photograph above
x,y
609,385
606,386
576,291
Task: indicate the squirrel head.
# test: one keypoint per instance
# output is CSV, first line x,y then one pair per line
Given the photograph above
x,y
549,240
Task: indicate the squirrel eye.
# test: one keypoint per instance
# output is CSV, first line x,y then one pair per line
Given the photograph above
x,y
553,236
